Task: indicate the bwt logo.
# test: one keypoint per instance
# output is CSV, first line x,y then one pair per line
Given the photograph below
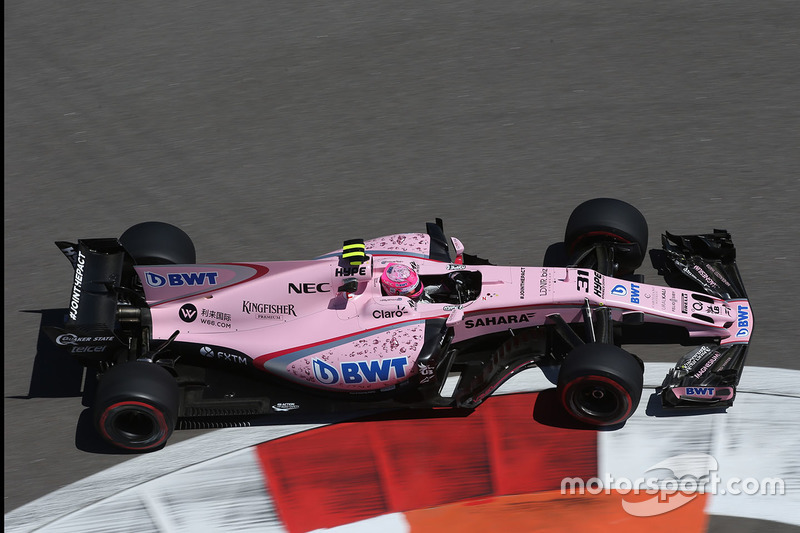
x,y
179,279
743,321
700,391
634,293
352,372
619,290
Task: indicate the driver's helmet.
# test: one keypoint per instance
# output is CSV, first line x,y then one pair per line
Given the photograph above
x,y
398,279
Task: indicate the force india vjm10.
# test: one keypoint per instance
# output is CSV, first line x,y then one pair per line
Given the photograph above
x,y
182,345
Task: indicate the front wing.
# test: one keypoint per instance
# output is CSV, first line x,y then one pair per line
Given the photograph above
x,y
707,376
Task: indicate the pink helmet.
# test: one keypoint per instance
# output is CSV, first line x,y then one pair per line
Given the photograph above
x,y
398,279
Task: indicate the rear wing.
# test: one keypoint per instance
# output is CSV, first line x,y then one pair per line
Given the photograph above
x,y
92,310
98,267
708,375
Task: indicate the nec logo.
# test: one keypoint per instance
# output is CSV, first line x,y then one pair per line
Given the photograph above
x,y
309,288
179,279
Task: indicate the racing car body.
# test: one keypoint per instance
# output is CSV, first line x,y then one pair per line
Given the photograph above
x,y
179,344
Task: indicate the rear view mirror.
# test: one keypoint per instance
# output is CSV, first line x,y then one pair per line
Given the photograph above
x,y
455,317
349,286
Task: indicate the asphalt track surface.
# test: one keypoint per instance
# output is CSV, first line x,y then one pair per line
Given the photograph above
x,y
274,130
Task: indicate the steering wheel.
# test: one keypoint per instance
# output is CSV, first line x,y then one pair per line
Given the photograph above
x,y
460,286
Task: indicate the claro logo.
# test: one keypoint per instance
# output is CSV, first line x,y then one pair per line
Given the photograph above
x,y
395,313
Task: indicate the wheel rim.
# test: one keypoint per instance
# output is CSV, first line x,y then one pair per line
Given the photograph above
x,y
134,425
597,400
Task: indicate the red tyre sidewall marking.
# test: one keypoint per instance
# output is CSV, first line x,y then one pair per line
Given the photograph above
x,y
598,234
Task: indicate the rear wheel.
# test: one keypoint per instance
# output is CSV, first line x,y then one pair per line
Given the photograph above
x,y
136,406
608,220
158,243
600,384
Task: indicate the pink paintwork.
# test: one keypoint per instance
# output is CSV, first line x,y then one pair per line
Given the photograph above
x,y
707,394
290,319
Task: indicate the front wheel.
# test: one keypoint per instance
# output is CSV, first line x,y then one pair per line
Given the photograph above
x,y
600,384
136,406
612,221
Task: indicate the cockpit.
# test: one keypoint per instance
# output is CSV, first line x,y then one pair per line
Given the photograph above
x,y
457,287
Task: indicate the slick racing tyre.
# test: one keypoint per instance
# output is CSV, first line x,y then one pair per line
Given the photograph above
x,y
609,220
158,243
600,384
136,406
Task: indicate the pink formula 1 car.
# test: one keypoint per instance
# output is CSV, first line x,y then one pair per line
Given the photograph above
x,y
179,345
